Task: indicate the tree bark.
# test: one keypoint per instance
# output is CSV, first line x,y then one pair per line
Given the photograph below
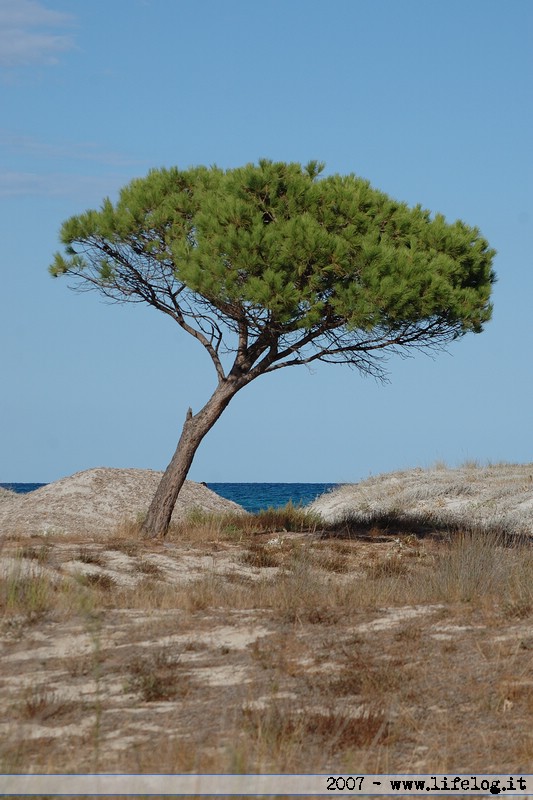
x,y
195,428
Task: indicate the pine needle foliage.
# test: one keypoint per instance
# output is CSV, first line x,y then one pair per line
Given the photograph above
x,y
308,267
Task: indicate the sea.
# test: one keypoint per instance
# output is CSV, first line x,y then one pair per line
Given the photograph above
x,y
253,497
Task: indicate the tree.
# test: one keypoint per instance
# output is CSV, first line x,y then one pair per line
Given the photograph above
x,y
273,265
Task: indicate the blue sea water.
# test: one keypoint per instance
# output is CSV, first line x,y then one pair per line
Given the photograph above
x,y
22,488
251,496
258,496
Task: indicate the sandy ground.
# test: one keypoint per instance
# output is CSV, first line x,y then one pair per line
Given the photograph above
x,y
123,655
97,500
493,497
205,687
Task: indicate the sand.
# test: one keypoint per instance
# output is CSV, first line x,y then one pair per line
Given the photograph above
x,y
96,501
491,497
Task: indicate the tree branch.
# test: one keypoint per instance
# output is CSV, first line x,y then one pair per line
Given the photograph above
x,y
132,281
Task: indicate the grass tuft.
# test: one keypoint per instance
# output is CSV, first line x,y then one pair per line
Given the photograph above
x,y
97,580
156,677
88,555
260,556
41,554
203,527
26,593
470,567
275,728
40,704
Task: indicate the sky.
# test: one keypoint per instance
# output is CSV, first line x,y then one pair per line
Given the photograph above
x,y
429,101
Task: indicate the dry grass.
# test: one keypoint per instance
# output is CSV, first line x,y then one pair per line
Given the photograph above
x,y
266,644
278,735
156,676
26,594
88,555
41,705
202,528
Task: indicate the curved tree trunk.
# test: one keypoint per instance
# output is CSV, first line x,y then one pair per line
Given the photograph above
x,y
195,428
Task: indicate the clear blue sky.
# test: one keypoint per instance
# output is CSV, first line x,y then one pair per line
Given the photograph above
x,y
431,101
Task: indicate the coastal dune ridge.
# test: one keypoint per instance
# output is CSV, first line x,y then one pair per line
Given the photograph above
x,y
495,497
96,501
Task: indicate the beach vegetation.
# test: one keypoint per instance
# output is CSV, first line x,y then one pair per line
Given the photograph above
x,y
267,651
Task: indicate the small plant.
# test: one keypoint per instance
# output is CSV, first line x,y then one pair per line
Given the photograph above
x,y
288,518
517,598
471,566
147,567
387,568
24,592
88,556
41,554
97,580
471,463
128,546
335,562
197,516
257,555
201,526
348,682
157,677
278,728
80,666
232,531
273,727
518,607
42,704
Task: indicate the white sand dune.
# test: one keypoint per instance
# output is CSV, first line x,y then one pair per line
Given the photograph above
x,y
492,497
96,501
